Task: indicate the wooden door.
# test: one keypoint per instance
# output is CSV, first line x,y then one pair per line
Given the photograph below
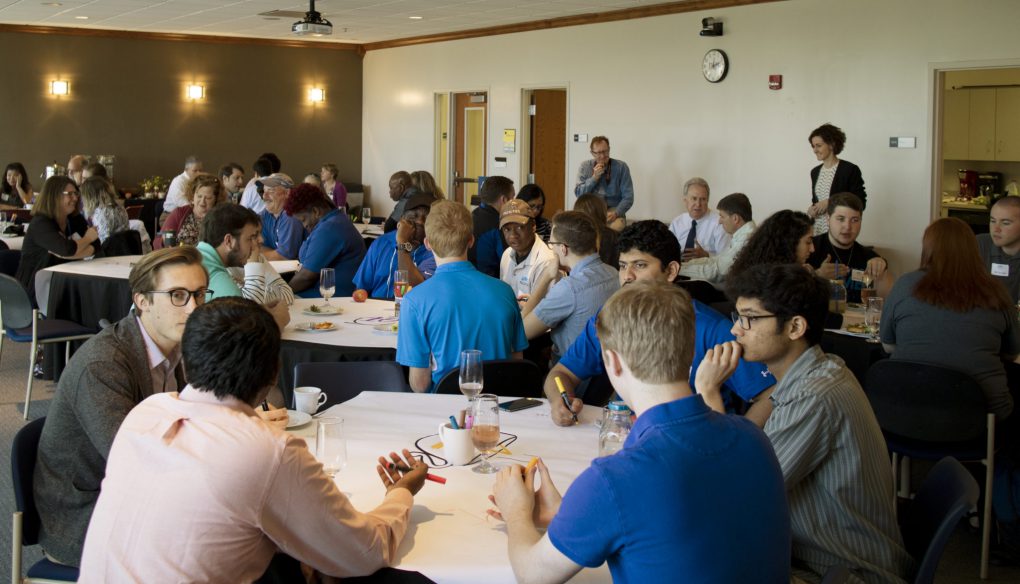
x,y
982,124
955,124
549,146
1007,123
470,134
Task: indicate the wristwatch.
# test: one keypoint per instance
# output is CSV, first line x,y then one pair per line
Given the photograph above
x,y
406,246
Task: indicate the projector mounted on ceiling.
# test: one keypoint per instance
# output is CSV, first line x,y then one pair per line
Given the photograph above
x,y
312,24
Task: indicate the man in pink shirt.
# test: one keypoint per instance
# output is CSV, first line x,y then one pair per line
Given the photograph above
x,y
198,488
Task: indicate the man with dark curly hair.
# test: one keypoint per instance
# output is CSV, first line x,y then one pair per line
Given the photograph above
x,y
332,242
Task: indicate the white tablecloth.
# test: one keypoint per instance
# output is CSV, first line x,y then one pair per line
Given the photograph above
x,y
355,326
370,230
13,242
451,539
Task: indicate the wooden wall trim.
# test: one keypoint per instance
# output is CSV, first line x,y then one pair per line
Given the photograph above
x,y
565,21
170,36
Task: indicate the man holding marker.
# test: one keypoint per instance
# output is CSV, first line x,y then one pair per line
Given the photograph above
x,y
723,465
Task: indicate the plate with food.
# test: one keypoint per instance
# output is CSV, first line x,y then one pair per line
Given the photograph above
x,y
386,329
323,310
315,327
858,329
296,418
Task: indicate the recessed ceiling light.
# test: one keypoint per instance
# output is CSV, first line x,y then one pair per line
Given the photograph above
x,y
416,17
81,17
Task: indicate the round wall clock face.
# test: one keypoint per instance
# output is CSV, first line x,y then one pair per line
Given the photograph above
x,y
715,65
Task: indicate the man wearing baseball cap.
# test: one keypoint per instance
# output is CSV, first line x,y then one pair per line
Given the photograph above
x,y
528,265
400,249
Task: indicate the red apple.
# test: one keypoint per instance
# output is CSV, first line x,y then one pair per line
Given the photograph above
x,y
360,295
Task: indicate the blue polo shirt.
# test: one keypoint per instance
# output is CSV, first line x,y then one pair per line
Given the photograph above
x,y
333,243
376,272
458,308
688,488
584,357
283,233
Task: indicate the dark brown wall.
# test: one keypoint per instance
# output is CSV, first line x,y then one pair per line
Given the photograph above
x,y
127,99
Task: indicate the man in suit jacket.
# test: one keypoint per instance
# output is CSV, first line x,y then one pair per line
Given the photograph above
x,y
111,373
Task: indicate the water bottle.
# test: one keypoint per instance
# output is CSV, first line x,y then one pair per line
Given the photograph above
x,y
615,428
837,297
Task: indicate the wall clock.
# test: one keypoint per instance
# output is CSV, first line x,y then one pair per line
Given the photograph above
x,y
715,65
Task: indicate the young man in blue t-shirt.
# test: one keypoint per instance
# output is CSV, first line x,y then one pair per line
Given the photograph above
x,y
649,251
689,486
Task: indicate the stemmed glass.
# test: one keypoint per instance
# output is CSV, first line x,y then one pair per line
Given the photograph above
x,y
873,317
471,380
485,431
327,283
366,215
331,445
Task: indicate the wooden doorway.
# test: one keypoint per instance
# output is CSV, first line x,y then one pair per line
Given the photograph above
x,y
546,144
469,130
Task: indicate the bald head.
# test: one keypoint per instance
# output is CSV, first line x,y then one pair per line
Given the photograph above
x,y
75,166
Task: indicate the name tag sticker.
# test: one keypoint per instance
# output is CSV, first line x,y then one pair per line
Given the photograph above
x,y
1000,270
857,275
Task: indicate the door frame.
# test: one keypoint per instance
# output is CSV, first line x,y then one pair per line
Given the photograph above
x,y
451,143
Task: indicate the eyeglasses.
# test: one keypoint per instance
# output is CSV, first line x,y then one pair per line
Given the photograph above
x,y
599,152
745,320
73,193
181,296
551,242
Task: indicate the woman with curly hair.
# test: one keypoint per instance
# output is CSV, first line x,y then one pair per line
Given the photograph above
x,y
202,193
784,238
832,175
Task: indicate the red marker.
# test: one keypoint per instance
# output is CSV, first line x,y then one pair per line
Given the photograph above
x,y
428,476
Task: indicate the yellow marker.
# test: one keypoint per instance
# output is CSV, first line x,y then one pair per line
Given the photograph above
x,y
531,465
563,396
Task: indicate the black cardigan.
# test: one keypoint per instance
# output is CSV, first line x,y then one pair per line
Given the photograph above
x,y
848,179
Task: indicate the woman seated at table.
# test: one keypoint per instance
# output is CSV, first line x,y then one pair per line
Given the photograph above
x,y
99,201
57,232
16,190
335,190
595,207
953,313
426,183
203,192
534,196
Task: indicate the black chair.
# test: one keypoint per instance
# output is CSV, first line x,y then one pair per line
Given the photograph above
x,y
702,291
344,380
836,575
26,517
931,412
122,243
22,325
927,523
9,260
502,377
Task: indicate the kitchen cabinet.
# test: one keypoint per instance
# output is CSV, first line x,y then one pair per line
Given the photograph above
x,y
982,124
1007,123
956,124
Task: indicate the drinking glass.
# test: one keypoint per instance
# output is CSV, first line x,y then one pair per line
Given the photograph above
x,y
331,445
485,431
327,283
873,317
366,215
3,221
400,284
471,380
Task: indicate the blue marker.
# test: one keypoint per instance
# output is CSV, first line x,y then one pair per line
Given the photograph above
x,y
453,423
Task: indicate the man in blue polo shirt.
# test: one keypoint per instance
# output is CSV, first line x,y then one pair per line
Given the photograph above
x,y
689,486
400,249
458,308
649,251
282,234
333,242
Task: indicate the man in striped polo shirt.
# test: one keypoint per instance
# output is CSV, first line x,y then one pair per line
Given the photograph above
x,y
822,428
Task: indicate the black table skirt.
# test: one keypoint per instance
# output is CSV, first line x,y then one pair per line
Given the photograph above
x,y
294,352
857,352
84,300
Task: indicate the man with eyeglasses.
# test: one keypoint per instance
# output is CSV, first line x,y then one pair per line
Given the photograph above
x,y
608,178
650,252
112,372
528,265
825,435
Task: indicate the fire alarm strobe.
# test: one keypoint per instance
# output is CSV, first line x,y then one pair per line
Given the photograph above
x,y
775,81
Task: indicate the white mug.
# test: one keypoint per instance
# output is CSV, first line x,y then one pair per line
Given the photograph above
x,y
308,399
457,446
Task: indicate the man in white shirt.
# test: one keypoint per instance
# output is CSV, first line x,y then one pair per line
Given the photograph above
x,y
199,489
175,194
698,230
528,265
735,218
264,166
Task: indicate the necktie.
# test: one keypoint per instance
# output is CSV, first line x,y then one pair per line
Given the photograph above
x,y
692,235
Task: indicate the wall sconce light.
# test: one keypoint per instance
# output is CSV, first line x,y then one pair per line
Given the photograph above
x,y
195,92
316,95
59,88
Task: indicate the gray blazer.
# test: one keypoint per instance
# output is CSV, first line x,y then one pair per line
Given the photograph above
x,y
105,378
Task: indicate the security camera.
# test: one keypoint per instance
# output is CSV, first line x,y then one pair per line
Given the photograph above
x,y
711,27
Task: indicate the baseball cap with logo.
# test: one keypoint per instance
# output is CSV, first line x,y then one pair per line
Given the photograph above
x,y
515,211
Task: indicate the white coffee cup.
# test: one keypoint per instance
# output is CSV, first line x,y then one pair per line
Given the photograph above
x,y
308,399
457,446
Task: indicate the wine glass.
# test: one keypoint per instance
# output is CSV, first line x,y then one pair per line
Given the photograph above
x,y
366,215
873,317
331,445
471,380
327,283
485,431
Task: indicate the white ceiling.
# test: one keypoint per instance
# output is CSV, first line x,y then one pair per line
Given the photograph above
x,y
354,21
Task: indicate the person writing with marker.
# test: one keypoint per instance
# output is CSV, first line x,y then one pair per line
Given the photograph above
x,y
676,479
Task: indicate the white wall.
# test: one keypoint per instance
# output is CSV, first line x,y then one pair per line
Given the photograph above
x,y
865,66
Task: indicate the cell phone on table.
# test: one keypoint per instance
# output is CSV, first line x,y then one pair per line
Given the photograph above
x,y
520,404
